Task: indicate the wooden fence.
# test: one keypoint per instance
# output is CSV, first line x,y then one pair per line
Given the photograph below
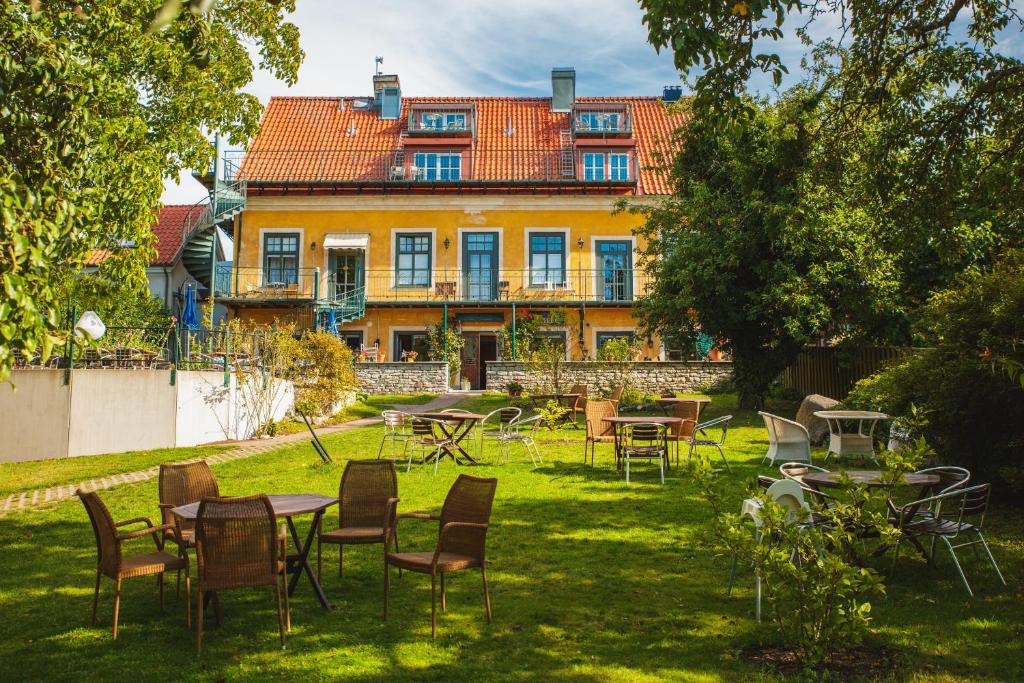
x,y
832,372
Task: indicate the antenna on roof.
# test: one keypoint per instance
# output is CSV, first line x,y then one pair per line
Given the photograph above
x,y
377,61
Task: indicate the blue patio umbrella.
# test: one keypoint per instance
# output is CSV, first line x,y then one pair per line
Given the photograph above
x,y
332,321
189,316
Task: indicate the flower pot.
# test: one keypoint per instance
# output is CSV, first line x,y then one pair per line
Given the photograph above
x,y
515,393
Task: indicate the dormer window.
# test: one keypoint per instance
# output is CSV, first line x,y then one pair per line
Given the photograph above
x,y
602,120
612,166
594,122
443,121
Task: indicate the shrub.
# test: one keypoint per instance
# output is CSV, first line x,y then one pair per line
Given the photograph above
x,y
965,386
552,415
322,370
618,350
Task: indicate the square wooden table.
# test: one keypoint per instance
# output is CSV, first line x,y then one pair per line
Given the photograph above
x,y
289,505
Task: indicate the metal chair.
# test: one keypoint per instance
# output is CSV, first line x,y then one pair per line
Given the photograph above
x,y
524,432
645,441
688,412
787,440
503,417
796,472
396,428
699,437
428,434
951,512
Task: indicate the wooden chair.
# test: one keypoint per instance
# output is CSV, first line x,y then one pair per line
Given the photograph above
x,y
111,562
238,546
461,542
598,431
181,484
368,497
688,412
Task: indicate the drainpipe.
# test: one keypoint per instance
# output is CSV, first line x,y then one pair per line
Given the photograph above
x,y
167,288
444,321
514,357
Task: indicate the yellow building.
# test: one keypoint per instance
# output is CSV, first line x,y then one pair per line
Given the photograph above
x,y
383,215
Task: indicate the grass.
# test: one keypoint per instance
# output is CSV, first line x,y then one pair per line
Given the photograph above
x,y
591,580
365,406
38,474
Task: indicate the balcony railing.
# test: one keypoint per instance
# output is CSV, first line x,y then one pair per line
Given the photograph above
x,y
458,167
600,286
602,119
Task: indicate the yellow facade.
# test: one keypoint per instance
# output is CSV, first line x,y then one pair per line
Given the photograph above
x,y
370,226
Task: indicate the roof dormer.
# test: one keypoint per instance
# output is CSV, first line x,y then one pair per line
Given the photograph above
x,y
442,119
602,119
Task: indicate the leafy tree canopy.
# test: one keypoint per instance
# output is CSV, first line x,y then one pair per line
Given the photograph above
x,y
100,101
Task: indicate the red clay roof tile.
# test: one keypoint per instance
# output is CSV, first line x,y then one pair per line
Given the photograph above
x,y
168,231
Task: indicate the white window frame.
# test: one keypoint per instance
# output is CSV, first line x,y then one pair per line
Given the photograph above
x,y
587,167
420,160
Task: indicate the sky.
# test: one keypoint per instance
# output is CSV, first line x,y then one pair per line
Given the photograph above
x,y
476,47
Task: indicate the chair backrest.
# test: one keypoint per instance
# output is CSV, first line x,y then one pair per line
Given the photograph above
x,y
108,550
595,412
789,494
973,502
765,482
950,478
422,426
184,483
644,433
797,470
689,412
616,394
521,425
366,486
469,500
580,389
394,420
721,423
236,542
782,430
509,415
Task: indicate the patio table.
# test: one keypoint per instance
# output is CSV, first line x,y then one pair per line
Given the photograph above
x,y
619,420
666,403
851,443
288,506
456,426
869,478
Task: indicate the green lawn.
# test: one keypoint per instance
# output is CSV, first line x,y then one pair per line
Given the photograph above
x,y
591,580
365,406
24,476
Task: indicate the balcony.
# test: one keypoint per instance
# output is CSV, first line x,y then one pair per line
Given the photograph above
x,y
601,287
452,167
602,119
442,119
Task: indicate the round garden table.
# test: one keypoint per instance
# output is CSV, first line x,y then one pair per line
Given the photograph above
x,y
289,505
456,426
851,442
869,478
646,419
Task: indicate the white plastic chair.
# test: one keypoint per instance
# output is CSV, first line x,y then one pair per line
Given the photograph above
x,y
787,440
785,492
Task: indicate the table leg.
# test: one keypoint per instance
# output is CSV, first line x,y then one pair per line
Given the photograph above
x,y
459,433
618,448
299,564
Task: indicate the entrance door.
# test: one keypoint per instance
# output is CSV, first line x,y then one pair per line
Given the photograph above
x,y
480,266
615,270
471,358
488,353
346,272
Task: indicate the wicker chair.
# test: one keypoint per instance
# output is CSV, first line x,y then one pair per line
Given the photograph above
x,y
182,484
645,441
616,395
688,412
368,494
579,404
598,431
461,543
111,562
787,440
238,546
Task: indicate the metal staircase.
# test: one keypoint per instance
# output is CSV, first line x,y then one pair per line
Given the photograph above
x,y
349,306
199,236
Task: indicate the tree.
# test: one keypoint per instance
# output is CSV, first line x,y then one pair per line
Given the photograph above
x,y
101,101
741,252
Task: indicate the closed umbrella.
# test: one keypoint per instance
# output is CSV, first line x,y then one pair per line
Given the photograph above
x,y
189,316
332,321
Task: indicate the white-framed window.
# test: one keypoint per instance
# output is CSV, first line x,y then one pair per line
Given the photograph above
x,y
438,166
443,121
593,166
599,121
618,166
413,260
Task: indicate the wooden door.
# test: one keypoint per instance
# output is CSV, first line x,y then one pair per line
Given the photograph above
x,y
471,358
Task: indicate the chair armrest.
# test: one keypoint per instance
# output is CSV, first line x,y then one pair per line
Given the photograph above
x,y
419,515
455,525
390,515
150,530
134,520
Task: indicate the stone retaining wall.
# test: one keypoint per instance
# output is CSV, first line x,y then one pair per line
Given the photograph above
x,y
651,377
402,378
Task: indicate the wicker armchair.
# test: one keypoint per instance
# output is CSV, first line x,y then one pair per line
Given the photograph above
x,y
462,538
688,412
112,563
182,484
598,431
238,546
368,494
579,404
616,395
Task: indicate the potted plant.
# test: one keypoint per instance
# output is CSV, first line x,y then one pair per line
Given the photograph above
x,y
410,356
514,388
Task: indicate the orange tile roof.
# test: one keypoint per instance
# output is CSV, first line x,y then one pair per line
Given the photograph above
x,y
168,231
315,138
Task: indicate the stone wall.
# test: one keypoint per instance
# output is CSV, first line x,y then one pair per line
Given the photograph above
x,y
652,377
402,378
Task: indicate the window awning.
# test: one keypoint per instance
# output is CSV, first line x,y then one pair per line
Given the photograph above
x,y
346,240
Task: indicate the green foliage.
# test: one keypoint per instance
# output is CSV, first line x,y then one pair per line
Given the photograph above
x,y
974,409
735,255
437,338
619,350
323,372
97,110
117,304
552,414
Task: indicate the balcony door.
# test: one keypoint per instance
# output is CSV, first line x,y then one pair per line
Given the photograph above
x,y
346,272
480,266
615,269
